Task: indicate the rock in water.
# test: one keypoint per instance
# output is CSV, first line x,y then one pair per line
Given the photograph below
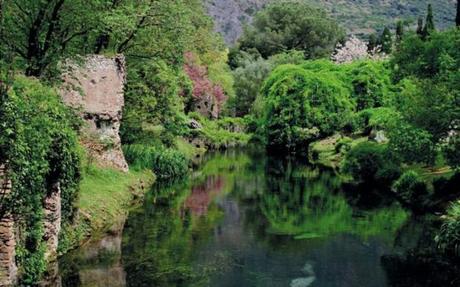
x,y
303,282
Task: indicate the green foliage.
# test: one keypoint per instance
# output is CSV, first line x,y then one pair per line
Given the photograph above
x,y
457,19
220,134
386,41
38,139
371,82
452,151
433,93
250,75
40,33
411,187
165,163
429,23
411,144
292,25
152,102
104,198
382,118
370,161
301,106
343,145
437,57
449,234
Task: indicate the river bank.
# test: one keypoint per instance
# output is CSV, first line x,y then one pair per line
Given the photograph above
x,y
246,217
105,198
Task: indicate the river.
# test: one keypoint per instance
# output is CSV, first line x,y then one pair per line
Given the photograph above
x,y
245,219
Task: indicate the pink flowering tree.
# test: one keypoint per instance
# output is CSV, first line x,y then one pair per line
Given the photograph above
x,y
204,90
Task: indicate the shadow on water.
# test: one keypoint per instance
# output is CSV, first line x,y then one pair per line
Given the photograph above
x,y
245,219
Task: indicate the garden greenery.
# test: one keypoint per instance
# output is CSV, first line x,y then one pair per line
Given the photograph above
x,y
39,143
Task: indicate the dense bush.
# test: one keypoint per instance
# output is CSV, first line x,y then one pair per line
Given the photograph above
x,y
222,133
165,163
250,75
448,238
383,118
452,151
433,65
411,188
152,100
411,144
39,141
301,106
371,83
371,162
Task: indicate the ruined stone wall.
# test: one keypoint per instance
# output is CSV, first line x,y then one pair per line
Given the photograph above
x,y
52,221
8,269
96,88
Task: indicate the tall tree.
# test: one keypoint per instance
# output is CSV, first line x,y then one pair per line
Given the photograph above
x,y
429,23
386,41
39,32
420,26
292,25
457,20
399,31
373,43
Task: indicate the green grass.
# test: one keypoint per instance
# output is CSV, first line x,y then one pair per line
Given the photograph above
x,y
104,200
326,150
188,149
217,135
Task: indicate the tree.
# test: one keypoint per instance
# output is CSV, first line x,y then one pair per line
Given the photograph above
x,y
452,151
354,49
420,26
386,41
41,32
412,144
251,74
373,43
292,25
399,31
370,161
429,23
431,101
302,106
457,19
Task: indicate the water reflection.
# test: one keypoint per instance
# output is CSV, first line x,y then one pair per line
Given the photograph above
x,y
97,264
247,220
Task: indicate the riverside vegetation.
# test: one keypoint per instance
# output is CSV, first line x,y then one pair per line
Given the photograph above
x,y
383,112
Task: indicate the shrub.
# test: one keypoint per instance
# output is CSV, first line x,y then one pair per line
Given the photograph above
x,y
383,118
250,75
411,144
452,151
38,138
370,161
165,163
448,237
411,188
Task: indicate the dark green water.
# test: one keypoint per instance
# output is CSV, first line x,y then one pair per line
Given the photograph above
x,y
244,219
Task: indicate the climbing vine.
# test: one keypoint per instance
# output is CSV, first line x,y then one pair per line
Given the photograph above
x,y
38,142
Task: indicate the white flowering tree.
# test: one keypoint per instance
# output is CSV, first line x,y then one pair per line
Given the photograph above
x,y
355,49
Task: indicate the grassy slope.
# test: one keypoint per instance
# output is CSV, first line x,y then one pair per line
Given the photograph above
x,y
105,198
326,151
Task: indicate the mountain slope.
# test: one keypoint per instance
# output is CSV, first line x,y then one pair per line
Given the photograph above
x,y
357,16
